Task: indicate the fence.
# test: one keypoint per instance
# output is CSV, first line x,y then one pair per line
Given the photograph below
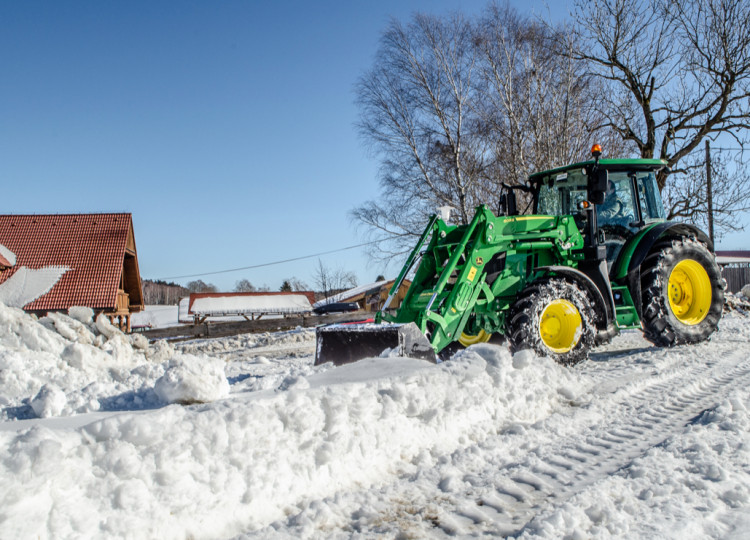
x,y
737,276
221,329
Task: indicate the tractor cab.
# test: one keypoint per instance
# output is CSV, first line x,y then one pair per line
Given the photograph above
x,y
610,200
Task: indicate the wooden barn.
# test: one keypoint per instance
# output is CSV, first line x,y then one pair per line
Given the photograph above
x,y
98,251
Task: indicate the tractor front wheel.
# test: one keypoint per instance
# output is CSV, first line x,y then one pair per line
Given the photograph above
x,y
683,294
555,318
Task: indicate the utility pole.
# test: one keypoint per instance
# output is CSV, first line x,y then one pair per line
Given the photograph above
x,y
709,193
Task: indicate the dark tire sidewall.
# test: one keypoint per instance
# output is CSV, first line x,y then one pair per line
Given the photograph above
x,y
527,311
661,326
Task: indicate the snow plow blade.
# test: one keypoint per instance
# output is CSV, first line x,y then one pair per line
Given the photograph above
x,y
347,343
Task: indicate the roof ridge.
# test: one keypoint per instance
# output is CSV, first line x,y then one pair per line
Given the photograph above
x,y
71,214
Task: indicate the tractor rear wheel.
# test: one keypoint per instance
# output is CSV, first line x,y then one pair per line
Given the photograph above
x,y
683,293
555,318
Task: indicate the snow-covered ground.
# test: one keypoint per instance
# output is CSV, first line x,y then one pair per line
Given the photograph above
x,y
102,435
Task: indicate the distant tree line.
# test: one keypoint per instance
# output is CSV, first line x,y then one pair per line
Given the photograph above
x,y
156,292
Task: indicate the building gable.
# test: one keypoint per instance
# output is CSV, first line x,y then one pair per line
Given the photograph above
x,y
98,249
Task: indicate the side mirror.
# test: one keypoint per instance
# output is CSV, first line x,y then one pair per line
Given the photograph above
x,y
598,179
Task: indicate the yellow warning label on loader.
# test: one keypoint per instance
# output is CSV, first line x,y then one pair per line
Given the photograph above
x,y
472,273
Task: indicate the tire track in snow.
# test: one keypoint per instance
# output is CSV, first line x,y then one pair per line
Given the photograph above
x,y
556,471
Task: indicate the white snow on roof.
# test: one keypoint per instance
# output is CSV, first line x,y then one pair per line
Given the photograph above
x,y
26,285
343,296
8,254
231,305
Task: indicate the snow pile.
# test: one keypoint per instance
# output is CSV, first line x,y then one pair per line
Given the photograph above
x,y
189,379
260,361
636,442
70,364
237,465
738,303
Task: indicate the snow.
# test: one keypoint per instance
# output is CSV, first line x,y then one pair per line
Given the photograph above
x,y
8,255
104,435
26,285
236,304
343,296
157,317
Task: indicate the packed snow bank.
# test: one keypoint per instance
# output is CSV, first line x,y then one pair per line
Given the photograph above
x,y
69,364
217,470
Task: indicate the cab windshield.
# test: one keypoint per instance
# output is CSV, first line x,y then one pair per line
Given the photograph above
x,y
560,194
629,194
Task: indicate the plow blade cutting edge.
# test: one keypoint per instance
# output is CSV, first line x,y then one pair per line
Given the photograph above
x,y
346,343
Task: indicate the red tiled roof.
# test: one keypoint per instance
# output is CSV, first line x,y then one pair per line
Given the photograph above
x,y
91,245
4,263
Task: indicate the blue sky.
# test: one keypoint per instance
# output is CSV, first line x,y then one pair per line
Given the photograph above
x,y
225,128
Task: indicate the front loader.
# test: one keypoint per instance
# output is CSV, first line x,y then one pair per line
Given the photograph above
x,y
596,255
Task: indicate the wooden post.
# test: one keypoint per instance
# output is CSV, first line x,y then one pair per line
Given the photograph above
x,y
709,192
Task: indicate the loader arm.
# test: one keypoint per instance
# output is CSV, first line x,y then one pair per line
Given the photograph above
x,y
450,293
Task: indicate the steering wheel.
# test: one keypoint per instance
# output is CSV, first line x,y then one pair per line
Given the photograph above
x,y
619,213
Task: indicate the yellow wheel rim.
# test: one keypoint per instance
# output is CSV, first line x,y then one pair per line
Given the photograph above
x,y
469,339
689,292
560,326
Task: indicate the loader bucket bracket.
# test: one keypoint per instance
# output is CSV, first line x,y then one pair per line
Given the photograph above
x,y
347,343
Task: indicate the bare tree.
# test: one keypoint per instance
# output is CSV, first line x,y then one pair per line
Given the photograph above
x,y
453,108
199,286
686,197
244,285
331,281
415,115
294,284
678,71
537,105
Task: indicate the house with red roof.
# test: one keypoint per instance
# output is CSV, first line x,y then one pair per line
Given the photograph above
x,y
97,252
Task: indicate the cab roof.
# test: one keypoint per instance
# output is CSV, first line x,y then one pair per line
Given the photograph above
x,y
612,164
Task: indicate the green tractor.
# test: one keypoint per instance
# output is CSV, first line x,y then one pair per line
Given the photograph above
x,y
595,256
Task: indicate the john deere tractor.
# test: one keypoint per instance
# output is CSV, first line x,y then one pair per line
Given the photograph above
x,y
596,255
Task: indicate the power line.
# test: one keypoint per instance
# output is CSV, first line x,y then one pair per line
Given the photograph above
x,y
728,148
281,262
